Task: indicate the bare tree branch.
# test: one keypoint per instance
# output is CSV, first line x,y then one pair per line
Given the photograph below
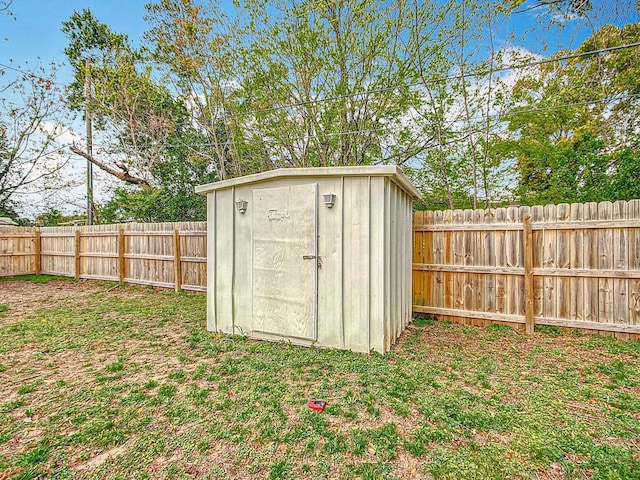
x,y
123,174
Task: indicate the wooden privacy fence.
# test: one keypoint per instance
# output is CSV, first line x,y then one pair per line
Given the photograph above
x,y
162,254
572,265
567,265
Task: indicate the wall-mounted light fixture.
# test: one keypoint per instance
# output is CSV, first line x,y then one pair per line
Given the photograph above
x,y
242,206
329,199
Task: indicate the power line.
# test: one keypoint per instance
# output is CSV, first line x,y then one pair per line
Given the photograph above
x,y
472,73
577,104
32,75
499,116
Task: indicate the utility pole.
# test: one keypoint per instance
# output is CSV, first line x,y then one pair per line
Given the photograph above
x,y
87,87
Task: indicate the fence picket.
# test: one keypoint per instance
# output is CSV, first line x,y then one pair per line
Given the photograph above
x,y
489,255
620,259
563,261
590,261
634,263
605,262
576,255
501,304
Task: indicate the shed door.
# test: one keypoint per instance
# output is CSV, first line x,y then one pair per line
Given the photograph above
x,y
285,262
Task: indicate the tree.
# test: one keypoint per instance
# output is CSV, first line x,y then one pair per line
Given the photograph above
x,y
329,80
173,198
143,130
573,126
200,52
5,5
31,118
298,84
219,92
452,54
125,103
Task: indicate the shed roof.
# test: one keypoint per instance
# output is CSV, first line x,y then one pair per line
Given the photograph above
x,y
392,171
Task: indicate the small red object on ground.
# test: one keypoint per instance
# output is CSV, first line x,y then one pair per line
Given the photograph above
x,y
317,405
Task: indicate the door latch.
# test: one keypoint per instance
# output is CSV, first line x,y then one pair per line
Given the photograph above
x,y
311,257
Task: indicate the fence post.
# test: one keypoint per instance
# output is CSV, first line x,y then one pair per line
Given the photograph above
x,y
121,255
38,247
528,276
177,267
77,254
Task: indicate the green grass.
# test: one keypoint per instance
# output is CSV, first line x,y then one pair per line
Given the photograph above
x,y
134,372
37,278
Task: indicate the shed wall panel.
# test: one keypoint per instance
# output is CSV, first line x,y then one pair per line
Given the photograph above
x,y
330,282
388,269
242,261
225,246
377,278
212,235
356,263
394,255
408,261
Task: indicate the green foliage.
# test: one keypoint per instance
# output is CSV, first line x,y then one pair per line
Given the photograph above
x,y
423,321
89,39
7,209
28,388
280,470
173,201
34,456
499,328
154,143
52,217
568,148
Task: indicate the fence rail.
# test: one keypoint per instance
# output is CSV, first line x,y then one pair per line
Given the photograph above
x,y
165,254
566,265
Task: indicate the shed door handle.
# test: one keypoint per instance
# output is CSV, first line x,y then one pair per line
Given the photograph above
x,y
308,257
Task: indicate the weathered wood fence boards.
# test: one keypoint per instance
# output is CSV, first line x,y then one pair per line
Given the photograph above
x,y
161,254
17,251
583,269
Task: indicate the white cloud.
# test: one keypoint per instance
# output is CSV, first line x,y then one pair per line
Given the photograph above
x,y
63,135
65,189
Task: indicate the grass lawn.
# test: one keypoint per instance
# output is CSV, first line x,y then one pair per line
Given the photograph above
x,y
125,382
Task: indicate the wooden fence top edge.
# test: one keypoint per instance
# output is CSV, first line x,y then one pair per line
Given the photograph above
x,y
114,233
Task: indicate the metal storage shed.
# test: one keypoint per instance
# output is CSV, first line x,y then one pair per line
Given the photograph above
x,y
314,256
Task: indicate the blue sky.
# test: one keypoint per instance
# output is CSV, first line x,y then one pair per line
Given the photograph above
x,y
36,30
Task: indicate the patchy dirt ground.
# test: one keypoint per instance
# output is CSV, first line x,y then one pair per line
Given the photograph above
x,y
125,382
23,297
